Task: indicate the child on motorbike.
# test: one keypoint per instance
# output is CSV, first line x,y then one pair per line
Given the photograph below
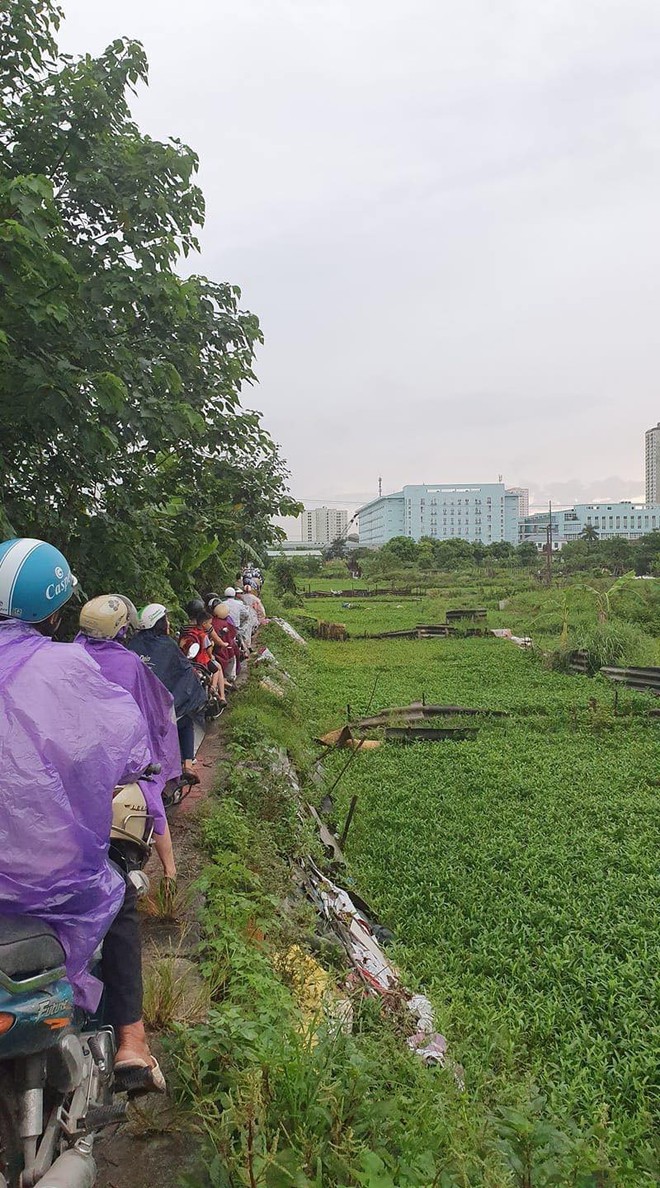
x,y
198,631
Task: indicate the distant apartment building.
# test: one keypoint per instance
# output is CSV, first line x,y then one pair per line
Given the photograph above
x,y
484,512
322,525
630,520
523,499
652,464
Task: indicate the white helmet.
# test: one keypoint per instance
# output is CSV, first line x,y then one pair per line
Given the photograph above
x,y
151,614
130,607
131,820
103,617
230,592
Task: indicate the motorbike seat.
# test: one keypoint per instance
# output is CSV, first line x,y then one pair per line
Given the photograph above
x,y
28,947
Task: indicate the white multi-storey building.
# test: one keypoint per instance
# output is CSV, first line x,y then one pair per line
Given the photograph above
x,y
652,464
523,499
322,525
486,512
630,520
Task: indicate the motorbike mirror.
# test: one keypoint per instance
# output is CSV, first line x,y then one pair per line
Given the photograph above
x,y
193,651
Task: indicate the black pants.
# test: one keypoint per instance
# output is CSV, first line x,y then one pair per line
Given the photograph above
x,y
186,738
121,965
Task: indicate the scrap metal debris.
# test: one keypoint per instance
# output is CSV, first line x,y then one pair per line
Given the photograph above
x,y
290,631
522,641
353,924
398,724
376,973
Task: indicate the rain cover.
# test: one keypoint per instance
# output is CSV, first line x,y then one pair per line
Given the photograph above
x,y
67,737
128,670
166,660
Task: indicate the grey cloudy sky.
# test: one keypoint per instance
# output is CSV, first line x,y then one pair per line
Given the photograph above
x,y
445,215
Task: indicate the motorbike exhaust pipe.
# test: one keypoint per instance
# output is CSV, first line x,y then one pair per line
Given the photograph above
x,y
73,1169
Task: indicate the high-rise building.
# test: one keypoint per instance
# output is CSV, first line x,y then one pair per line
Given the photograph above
x,y
652,460
523,499
485,512
322,525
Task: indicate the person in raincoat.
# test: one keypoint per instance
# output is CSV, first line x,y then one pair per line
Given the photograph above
x,y
160,652
252,599
104,623
68,736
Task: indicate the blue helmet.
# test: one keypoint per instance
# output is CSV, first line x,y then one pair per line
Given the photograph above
x,y
35,579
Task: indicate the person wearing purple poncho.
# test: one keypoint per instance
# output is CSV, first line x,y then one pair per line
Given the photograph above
x,y
104,622
68,736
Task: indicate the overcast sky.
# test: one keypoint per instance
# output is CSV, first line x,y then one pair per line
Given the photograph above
x,y
446,215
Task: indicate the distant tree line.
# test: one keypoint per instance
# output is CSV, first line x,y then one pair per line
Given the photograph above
x,y
615,556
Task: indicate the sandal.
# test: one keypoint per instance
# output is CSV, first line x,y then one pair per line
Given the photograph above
x,y
138,1077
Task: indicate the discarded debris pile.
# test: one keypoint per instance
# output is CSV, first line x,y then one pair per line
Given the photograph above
x,y
406,724
453,626
275,685
290,631
522,641
395,592
421,632
643,679
418,710
353,924
320,629
477,614
372,971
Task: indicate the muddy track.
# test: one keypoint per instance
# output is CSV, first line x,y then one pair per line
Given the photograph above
x,y
160,1143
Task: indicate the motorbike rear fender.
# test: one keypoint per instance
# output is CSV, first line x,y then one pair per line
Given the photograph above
x,y
39,1019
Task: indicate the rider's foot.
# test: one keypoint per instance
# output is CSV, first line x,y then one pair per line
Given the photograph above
x,y
136,1070
132,1041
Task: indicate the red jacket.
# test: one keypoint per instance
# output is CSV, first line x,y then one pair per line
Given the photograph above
x,y
192,634
229,635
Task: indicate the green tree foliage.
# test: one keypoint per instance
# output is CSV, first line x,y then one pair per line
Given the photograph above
x,y
400,549
123,439
615,556
527,553
283,575
589,533
336,550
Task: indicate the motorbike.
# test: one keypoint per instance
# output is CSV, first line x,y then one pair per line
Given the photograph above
x,y
213,708
175,791
56,1064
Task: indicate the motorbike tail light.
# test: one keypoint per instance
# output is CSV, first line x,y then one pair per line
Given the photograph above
x,y
6,1022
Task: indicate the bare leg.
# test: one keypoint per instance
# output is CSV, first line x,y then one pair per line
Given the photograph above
x,y
165,851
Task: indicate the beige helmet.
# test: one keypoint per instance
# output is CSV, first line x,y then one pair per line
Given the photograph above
x,y
131,820
104,617
220,610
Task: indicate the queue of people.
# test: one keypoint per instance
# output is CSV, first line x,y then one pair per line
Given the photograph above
x,y
78,720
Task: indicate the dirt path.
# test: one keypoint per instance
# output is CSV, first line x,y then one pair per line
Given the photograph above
x,y
159,1143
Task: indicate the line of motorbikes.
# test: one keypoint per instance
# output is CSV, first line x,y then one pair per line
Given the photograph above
x,y
56,1065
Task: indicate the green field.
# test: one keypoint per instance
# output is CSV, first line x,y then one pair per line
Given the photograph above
x,y
518,871
517,602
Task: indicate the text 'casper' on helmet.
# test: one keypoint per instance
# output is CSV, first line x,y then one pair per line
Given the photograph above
x,y
35,579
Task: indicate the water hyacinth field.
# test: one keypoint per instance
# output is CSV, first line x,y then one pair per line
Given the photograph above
x,y
519,873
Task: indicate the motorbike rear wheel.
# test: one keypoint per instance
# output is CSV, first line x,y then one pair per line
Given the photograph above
x,y
11,1152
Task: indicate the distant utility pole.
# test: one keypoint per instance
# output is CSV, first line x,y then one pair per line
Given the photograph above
x,y
380,487
548,548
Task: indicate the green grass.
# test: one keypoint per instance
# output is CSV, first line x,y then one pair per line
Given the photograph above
x,y
520,873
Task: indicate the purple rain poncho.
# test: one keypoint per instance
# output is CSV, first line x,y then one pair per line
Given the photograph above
x,y
67,738
126,669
